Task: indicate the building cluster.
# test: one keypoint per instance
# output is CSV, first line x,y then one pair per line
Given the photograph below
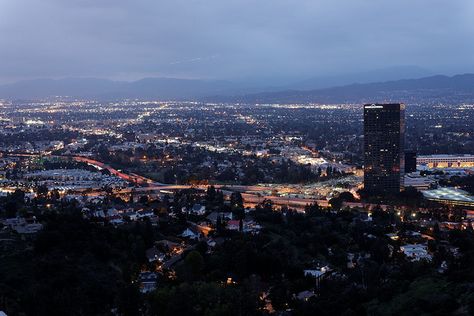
x,y
386,162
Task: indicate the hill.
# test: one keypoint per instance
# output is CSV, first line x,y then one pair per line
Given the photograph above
x,y
455,89
458,88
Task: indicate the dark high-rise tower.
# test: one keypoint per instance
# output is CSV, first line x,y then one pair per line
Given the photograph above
x,y
384,137
410,161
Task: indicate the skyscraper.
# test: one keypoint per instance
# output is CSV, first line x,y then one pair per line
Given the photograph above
x,y
410,161
384,137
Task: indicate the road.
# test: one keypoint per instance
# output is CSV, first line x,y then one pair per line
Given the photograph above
x,y
134,178
250,199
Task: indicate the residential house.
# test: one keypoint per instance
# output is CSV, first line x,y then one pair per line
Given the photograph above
x,y
416,252
226,216
153,254
191,233
147,281
196,209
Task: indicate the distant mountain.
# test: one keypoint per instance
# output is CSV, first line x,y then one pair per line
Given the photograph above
x,y
185,89
148,88
378,75
459,88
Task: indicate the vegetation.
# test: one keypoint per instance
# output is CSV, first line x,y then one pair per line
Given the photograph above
x,y
76,267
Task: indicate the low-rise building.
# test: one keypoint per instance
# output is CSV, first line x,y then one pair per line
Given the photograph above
x,y
416,252
450,196
446,161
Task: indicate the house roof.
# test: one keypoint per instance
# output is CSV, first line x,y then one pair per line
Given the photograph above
x,y
214,215
148,276
304,295
233,222
168,243
152,252
449,194
197,207
193,230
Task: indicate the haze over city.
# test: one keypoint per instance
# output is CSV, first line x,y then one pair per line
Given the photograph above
x,y
272,42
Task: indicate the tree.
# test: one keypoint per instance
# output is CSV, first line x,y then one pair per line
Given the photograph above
x,y
336,203
129,301
148,233
410,196
55,195
347,196
194,263
143,199
18,196
11,209
219,224
211,194
236,200
237,205
42,191
436,231
220,198
312,209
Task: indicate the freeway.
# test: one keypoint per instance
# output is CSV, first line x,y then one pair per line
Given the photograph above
x,y
134,178
252,194
250,199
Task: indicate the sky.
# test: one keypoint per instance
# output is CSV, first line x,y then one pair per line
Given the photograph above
x,y
231,39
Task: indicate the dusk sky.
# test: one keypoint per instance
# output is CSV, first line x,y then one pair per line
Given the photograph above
x,y
231,39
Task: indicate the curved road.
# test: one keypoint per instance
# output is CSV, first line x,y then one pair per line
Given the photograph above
x,y
250,199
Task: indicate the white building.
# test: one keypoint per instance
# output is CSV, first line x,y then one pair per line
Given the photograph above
x,y
446,161
416,252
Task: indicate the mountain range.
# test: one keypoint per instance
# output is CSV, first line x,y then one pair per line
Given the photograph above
x,y
440,87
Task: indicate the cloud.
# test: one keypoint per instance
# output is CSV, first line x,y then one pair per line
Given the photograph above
x,y
193,60
230,38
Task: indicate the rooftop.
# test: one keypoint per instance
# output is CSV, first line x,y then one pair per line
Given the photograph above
x,y
446,156
449,194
